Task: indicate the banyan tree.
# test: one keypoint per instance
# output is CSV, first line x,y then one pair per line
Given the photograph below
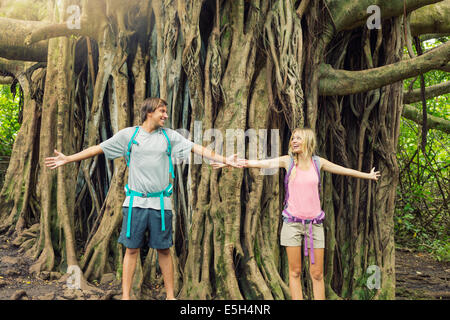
x,y
84,67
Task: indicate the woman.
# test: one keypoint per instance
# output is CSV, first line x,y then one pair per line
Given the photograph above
x,y
302,214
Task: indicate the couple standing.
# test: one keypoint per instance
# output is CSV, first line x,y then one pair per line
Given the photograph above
x,y
148,150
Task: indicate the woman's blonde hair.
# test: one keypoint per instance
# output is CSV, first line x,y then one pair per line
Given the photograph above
x,y
310,143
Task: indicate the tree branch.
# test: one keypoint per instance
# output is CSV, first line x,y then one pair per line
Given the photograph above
x,y
6,80
445,68
431,19
343,82
51,31
430,92
302,8
348,15
93,21
433,122
12,40
429,36
11,67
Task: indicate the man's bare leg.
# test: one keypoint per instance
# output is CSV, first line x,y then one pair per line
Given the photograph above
x,y
129,266
166,265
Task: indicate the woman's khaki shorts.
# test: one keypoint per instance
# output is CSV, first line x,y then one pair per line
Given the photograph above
x,y
293,233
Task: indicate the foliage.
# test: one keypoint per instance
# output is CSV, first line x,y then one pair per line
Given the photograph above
x,y
422,217
9,123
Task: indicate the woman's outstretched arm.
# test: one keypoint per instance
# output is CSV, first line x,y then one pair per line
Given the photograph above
x,y
334,168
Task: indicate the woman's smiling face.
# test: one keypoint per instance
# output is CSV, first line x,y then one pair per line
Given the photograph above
x,y
298,142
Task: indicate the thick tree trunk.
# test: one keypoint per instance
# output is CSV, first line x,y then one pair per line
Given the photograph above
x,y
360,131
56,194
18,196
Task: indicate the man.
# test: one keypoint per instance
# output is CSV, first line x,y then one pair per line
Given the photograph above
x,y
149,166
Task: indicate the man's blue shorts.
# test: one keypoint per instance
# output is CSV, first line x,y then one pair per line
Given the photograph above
x,y
143,219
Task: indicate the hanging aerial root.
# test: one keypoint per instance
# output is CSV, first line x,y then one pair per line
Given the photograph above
x,y
284,46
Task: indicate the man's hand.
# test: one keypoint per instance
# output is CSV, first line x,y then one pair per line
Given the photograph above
x,y
231,161
218,165
55,162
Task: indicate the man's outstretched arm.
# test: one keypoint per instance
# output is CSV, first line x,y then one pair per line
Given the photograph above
x,y
61,159
232,160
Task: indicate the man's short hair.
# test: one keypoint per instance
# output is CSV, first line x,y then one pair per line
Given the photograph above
x,y
150,105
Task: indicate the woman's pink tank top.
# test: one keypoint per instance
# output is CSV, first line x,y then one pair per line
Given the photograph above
x,y
304,201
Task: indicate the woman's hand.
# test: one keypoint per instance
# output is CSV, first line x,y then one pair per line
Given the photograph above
x,y
55,162
374,175
218,165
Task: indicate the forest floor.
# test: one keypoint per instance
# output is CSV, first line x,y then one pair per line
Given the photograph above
x,y
418,276
17,283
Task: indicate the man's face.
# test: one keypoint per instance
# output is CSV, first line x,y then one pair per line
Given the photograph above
x,y
158,117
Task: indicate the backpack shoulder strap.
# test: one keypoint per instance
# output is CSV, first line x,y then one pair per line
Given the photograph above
x,y
130,144
169,146
169,153
316,162
291,165
286,180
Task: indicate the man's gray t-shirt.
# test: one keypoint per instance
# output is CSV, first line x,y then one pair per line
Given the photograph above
x,y
149,163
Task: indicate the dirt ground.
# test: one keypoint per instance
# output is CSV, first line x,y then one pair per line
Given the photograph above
x,y
16,282
418,276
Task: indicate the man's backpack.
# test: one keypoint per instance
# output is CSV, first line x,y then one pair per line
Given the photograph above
x,y
167,192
